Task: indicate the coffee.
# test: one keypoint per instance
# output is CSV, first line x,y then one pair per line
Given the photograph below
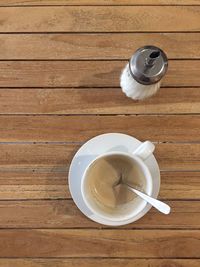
x,y
103,176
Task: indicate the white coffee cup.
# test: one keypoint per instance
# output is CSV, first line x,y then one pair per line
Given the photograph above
x,y
134,208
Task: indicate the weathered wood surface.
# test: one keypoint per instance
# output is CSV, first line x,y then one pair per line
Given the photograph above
x,y
60,63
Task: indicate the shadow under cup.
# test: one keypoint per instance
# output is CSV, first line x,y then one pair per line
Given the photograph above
x,y
96,172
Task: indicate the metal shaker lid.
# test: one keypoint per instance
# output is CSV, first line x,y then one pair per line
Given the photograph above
x,y
148,65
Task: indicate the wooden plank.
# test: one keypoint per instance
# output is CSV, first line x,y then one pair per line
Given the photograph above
x,y
80,128
99,262
54,157
178,156
95,46
57,157
97,101
100,243
64,214
100,19
179,185
87,73
25,184
97,2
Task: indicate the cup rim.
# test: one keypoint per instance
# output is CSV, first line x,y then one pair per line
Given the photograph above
x,y
143,203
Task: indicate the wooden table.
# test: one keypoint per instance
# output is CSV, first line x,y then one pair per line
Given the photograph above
x,y
59,78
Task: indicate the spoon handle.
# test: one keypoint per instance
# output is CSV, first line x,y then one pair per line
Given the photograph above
x,y
159,205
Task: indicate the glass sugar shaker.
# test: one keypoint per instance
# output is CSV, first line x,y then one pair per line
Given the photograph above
x,y
141,77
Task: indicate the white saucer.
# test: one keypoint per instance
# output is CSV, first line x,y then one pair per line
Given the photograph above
x,y
93,148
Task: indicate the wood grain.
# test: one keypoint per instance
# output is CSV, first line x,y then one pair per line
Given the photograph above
x,y
101,262
179,185
80,128
54,157
23,184
64,214
87,73
100,243
97,101
76,50
175,157
100,19
57,157
95,46
97,2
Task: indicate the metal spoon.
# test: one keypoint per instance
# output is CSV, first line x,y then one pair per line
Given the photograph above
x,y
159,205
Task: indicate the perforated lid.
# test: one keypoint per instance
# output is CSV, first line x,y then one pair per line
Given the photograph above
x,y
148,65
